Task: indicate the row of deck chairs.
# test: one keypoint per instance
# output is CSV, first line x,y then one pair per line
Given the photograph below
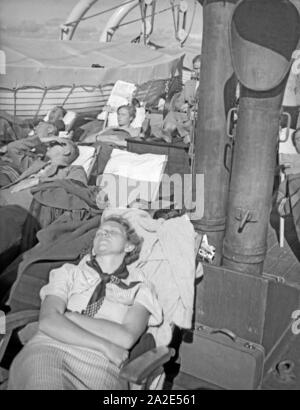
x,y
73,240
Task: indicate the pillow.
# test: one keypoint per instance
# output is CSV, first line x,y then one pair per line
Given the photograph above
x,y
68,119
86,156
130,177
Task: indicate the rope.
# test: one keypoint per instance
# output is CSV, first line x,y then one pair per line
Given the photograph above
x,y
138,19
191,25
71,23
15,90
56,87
68,95
89,88
174,17
143,9
41,102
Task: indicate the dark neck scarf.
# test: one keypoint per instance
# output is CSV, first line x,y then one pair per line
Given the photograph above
x,y
115,278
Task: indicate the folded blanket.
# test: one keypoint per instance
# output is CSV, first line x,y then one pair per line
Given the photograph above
x,y
63,241
66,194
168,260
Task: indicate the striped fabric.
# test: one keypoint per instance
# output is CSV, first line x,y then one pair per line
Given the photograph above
x,y
62,367
10,172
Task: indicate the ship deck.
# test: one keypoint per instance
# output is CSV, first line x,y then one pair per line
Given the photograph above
x,y
282,263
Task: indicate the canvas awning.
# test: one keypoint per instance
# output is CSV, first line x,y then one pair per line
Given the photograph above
x,y
49,63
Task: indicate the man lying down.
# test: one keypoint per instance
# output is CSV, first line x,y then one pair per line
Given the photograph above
x,y
54,164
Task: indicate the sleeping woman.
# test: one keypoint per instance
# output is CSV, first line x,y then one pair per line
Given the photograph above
x,y
92,314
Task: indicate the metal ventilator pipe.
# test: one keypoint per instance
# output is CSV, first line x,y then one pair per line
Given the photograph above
x,y
263,36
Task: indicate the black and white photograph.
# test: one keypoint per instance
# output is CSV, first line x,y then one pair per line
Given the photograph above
x,y
149,197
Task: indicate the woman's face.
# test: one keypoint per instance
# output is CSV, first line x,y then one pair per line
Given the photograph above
x,y
124,119
58,151
55,152
297,141
110,239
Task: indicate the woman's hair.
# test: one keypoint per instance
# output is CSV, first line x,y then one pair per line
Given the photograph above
x,y
131,236
73,148
60,126
196,58
131,110
135,102
57,113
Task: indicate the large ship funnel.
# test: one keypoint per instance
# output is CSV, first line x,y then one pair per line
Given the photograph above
x,y
263,35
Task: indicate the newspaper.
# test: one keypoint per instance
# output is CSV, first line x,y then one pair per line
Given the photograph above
x,y
121,94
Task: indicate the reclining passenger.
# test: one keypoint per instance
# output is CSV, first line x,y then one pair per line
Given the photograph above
x,y
125,115
283,200
19,154
92,314
12,128
56,164
52,125
177,122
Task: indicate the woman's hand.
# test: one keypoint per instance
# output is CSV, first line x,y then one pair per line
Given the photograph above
x,y
117,355
109,109
114,353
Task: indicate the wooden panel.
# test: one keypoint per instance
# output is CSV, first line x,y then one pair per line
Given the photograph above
x,y
232,300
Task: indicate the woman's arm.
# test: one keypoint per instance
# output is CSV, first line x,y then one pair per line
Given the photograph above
x,y
92,138
54,323
125,334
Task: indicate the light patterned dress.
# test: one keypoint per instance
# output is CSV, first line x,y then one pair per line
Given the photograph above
x,y
47,364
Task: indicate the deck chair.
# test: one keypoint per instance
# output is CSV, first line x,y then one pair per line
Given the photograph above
x,y
143,372
289,178
44,215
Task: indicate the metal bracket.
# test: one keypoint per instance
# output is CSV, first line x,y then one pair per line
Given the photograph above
x,y
275,278
230,122
289,122
245,216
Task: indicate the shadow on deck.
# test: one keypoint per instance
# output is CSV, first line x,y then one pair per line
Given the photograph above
x,y
280,262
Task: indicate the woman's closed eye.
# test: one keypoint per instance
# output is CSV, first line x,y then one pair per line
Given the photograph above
x,y
109,232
